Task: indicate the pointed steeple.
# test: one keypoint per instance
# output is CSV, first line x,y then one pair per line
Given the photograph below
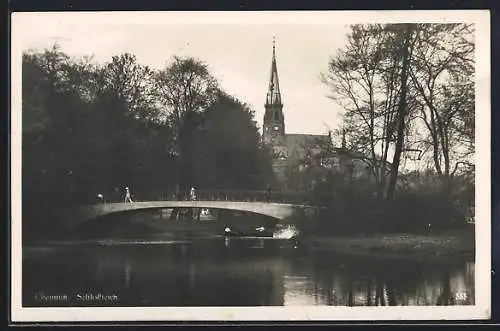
x,y
273,94
274,121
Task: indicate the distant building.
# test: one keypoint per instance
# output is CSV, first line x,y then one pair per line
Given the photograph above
x,y
293,151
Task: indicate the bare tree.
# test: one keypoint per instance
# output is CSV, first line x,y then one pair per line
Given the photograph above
x,y
407,87
442,72
369,80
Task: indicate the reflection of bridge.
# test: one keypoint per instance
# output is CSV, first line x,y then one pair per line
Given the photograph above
x,y
278,211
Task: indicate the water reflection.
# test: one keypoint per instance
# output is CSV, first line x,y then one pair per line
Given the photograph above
x,y
239,272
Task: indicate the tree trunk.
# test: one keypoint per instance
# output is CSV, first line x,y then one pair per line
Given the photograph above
x,y
402,113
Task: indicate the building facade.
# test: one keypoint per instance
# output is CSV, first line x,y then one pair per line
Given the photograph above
x,y
292,153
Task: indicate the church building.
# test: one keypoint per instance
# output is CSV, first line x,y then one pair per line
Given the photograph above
x,y
292,152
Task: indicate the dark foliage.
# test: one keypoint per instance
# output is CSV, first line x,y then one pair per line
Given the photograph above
x,y
90,129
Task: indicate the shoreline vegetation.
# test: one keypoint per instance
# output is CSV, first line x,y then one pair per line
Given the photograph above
x,y
422,247
407,246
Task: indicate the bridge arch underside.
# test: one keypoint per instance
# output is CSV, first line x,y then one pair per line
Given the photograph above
x,y
265,214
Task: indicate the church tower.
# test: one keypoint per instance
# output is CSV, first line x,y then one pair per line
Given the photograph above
x,y
274,121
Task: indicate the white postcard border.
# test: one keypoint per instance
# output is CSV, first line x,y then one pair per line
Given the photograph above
x,y
482,308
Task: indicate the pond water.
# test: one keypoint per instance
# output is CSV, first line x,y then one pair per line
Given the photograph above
x,y
218,271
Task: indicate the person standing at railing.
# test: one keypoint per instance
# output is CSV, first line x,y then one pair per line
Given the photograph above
x,y
268,193
176,193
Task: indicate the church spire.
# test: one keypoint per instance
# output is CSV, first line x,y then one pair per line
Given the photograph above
x,y
273,94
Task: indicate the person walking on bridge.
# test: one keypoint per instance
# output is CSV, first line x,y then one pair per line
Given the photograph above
x,y
193,197
192,194
127,195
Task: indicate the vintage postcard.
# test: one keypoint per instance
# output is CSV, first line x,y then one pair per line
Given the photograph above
x,y
237,166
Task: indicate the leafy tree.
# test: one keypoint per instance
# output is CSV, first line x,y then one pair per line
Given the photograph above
x,y
131,84
90,128
184,88
233,154
50,118
125,123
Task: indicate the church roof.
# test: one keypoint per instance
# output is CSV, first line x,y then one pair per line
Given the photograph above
x,y
299,144
297,140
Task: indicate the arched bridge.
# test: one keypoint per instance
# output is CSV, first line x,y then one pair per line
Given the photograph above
x,y
279,207
278,211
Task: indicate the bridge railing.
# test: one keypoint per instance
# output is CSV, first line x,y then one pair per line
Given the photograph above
x,y
298,198
233,195
253,196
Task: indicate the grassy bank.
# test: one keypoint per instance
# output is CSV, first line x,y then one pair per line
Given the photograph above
x,y
422,247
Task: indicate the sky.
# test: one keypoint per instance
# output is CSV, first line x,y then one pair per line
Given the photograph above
x,y
239,56
237,47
